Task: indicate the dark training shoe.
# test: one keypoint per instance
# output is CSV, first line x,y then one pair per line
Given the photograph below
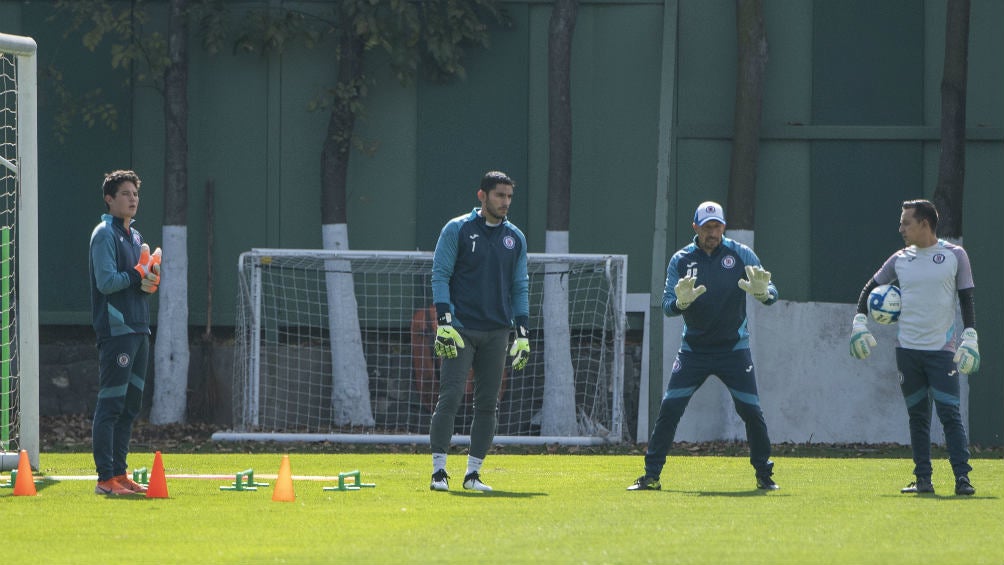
x,y
921,486
646,482
963,486
766,483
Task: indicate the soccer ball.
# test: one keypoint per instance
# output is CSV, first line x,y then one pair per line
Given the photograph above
x,y
884,304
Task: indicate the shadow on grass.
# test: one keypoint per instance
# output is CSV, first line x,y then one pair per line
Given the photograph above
x,y
498,494
730,494
952,497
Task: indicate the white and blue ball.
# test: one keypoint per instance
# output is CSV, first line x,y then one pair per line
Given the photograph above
x,y
885,303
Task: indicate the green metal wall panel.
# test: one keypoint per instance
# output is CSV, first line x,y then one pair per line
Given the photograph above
x,y
615,84
866,68
857,191
983,242
471,126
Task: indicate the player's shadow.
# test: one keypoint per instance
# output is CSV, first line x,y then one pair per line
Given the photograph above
x,y
935,497
731,493
498,494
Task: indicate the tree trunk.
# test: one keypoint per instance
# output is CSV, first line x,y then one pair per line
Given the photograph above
x,y
948,195
558,415
741,205
171,352
752,55
350,397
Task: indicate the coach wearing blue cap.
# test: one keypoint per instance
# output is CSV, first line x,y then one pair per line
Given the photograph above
x,y
705,284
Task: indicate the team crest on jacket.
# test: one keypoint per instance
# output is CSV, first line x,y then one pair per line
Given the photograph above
x,y
938,258
135,237
122,359
509,242
728,261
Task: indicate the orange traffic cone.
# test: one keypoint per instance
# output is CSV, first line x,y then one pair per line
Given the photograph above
x,y
157,487
25,484
284,484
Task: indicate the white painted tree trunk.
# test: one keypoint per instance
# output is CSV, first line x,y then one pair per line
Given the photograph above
x,y
171,353
557,414
734,428
350,392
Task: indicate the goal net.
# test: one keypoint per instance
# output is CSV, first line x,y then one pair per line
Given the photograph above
x,y
285,382
18,251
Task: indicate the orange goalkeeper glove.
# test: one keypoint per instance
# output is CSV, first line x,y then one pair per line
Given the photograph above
x,y
148,268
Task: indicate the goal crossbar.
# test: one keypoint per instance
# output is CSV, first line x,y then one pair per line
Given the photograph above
x,y
287,376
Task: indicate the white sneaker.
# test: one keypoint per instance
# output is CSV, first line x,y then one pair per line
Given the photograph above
x,y
440,481
473,482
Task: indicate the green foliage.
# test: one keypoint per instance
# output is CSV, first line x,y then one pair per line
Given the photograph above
x,y
89,107
140,55
546,509
132,46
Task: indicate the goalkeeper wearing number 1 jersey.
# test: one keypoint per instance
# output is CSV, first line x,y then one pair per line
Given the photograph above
x,y
480,288
707,282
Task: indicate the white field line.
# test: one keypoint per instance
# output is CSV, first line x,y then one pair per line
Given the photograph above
x,y
229,477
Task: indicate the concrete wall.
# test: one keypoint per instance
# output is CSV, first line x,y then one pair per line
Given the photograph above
x,y
811,389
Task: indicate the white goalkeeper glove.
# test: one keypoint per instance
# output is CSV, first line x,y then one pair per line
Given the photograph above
x,y
520,350
686,294
448,340
862,340
968,354
757,284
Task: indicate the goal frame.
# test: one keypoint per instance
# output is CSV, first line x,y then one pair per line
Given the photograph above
x,y
26,320
247,396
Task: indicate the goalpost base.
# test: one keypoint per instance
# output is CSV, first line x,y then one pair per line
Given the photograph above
x,y
403,439
8,460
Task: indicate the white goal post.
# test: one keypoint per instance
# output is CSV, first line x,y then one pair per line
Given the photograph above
x,y
18,251
283,377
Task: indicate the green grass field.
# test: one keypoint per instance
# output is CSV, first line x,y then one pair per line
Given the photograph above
x,y
546,508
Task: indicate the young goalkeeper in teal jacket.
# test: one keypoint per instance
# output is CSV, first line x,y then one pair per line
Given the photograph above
x,y
123,275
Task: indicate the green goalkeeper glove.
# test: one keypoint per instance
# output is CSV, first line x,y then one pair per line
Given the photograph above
x,y
968,354
520,350
757,284
447,341
862,340
686,294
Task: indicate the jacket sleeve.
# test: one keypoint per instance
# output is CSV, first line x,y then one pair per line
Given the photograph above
x,y
104,261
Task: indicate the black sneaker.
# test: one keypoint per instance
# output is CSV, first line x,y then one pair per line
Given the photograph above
x,y
921,486
963,486
646,482
440,480
766,483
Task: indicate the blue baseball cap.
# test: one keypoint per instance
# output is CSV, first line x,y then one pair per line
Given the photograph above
x,y
708,211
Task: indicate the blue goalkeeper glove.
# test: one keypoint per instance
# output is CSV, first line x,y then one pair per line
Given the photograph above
x,y
757,284
968,354
686,294
520,350
862,340
447,339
